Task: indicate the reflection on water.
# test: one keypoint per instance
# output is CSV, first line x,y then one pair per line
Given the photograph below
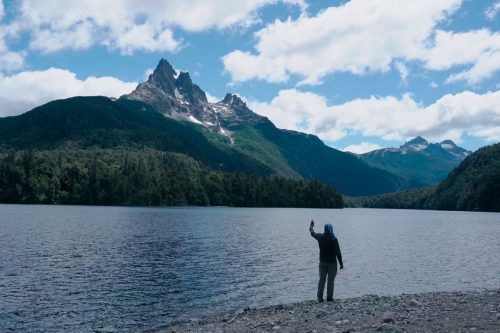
x,y
140,269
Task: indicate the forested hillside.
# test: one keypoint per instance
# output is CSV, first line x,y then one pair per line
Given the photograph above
x,y
473,185
260,148
145,177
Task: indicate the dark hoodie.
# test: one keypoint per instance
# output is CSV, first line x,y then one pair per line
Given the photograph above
x,y
329,249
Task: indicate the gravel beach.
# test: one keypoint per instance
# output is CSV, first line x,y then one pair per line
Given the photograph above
x,y
473,311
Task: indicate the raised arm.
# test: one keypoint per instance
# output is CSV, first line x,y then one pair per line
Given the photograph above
x,y
338,253
311,230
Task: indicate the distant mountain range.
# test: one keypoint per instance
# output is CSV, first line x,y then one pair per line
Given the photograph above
x,y
473,185
170,113
418,159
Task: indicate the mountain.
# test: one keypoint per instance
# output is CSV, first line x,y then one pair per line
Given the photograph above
x,y
473,185
170,113
418,159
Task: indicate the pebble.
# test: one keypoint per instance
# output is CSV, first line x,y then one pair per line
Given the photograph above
x,y
388,317
414,302
443,311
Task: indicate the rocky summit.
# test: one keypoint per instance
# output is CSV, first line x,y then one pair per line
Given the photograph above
x,y
419,159
445,148
176,96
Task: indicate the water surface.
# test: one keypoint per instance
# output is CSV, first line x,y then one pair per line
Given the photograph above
x,y
128,269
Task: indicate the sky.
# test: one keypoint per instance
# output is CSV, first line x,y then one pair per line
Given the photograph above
x,y
360,74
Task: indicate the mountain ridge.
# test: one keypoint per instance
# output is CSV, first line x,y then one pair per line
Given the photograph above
x,y
418,159
474,185
171,113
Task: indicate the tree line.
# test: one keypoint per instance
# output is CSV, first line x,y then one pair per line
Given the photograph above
x,y
146,177
473,185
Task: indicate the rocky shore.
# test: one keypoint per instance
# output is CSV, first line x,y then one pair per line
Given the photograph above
x,y
474,311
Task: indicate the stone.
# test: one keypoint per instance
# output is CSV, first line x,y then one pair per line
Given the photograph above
x,y
277,327
321,314
388,317
414,302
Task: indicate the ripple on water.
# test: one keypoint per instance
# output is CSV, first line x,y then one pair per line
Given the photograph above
x,y
122,269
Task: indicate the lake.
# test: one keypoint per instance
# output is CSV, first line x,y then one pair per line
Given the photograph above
x,y
128,269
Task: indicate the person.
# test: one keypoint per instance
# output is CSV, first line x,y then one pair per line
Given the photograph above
x,y
329,253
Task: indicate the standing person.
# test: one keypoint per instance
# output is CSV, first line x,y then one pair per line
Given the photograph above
x,y
329,252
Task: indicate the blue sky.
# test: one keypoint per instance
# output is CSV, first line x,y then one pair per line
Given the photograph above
x,y
360,74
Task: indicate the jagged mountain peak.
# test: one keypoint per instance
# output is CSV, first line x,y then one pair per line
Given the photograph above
x,y
232,99
163,77
417,140
417,143
189,90
448,143
175,95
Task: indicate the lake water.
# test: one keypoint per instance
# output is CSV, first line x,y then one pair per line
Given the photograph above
x,y
124,269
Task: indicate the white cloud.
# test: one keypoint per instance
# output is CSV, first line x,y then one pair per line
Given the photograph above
x,y
212,98
2,12
481,48
363,36
23,91
492,11
403,72
362,148
359,36
486,66
147,73
9,60
131,25
390,118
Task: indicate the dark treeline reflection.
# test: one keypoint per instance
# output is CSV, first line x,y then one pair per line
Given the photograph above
x,y
145,177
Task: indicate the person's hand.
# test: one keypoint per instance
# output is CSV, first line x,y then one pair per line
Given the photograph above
x,y
311,225
341,266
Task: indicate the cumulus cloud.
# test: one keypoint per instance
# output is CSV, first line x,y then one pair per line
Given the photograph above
x,y
389,117
9,60
23,91
359,36
479,48
492,11
362,148
364,36
403,72
212,98
131,25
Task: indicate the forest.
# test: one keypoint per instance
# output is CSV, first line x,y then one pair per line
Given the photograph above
x,y
146,177
473,185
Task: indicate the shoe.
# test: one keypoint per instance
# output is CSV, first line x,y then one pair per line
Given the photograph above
x,y
329,299
320,300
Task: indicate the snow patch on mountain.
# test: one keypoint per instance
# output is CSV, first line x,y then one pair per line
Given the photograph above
x,y
194,120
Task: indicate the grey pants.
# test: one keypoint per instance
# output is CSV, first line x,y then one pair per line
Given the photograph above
x,y
325,270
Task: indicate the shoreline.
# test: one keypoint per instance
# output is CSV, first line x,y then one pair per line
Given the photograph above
x,y
468,311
